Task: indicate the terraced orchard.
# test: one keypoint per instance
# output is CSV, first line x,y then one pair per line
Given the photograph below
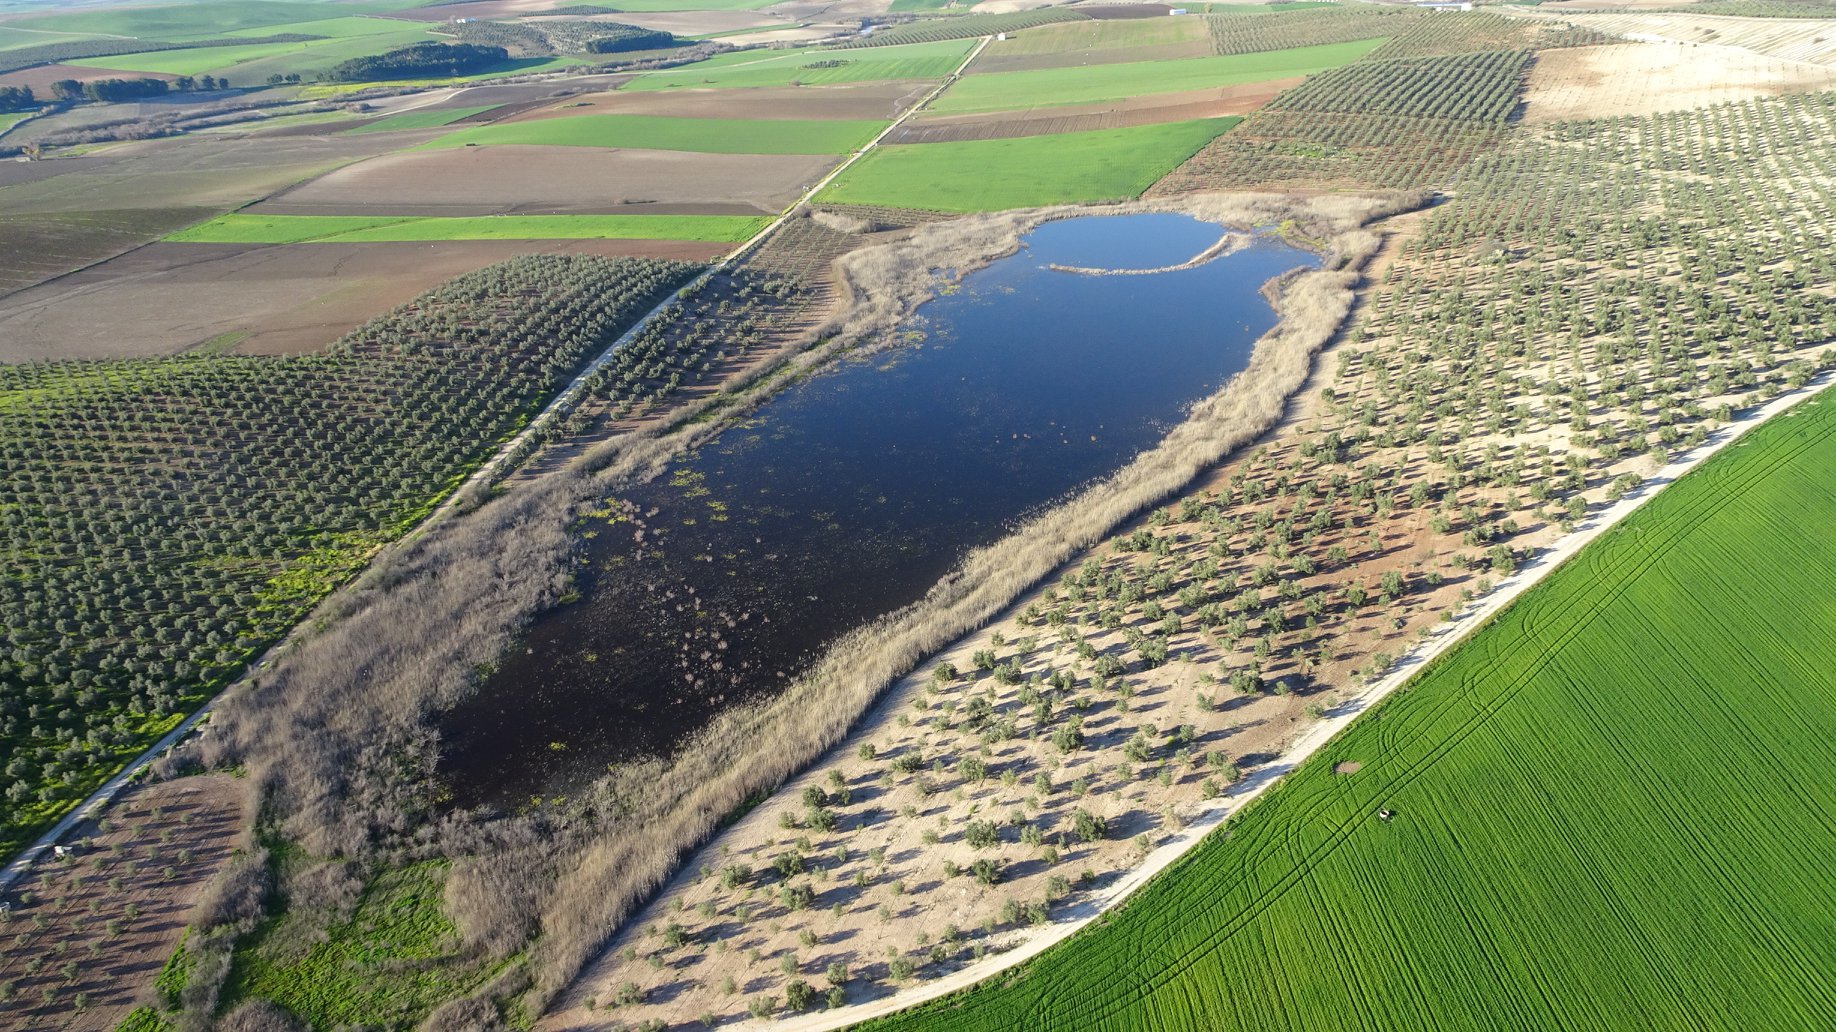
x,y
1603,810
162,521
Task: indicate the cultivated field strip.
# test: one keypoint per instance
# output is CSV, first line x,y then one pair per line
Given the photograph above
x,y
1249,33
1463,32
1600,801
1404,123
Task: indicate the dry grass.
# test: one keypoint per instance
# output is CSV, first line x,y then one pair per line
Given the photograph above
x,y
746,749
1646,78
336,733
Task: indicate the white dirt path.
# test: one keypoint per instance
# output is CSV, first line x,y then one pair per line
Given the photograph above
x,y
1311,741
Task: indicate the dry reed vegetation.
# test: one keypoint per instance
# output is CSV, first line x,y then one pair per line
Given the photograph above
x,y
336,734
1597,296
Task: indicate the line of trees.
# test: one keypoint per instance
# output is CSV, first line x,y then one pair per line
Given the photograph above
x,y
17,98
111,90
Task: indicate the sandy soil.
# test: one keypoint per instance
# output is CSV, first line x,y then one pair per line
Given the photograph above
x,y
1149,110
167,298
127,896
866,100
492,180
1647,78
1812,40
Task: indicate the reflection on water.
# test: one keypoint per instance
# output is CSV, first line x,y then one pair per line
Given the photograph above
x,y
850,494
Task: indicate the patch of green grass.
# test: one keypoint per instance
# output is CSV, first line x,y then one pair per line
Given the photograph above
x,y
1610,807
907,6
252,64
784,67
421,119
13,118
237,228
192,21
14,38
391,963
330,28
651,132
144,1019
991,175
1008,91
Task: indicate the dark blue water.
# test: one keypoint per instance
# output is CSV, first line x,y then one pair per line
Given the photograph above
x,y
849,494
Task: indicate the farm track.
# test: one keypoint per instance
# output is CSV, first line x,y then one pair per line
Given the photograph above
x,y
509,453
1336,720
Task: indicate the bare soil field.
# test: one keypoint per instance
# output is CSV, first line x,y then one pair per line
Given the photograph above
x,y
37,247
537,180
126,896
845,101
1647,78
41,78
1149,110
1812,40
134,193
166,298
17,171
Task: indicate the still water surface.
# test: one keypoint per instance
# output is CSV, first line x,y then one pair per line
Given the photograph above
x,y
849,494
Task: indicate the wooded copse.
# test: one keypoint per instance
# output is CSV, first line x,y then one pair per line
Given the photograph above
x,y
422,60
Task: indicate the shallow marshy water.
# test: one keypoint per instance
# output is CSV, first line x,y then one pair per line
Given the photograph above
x,y
849,494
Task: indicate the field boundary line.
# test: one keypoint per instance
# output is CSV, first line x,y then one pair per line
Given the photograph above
x,y
493,467
1337,719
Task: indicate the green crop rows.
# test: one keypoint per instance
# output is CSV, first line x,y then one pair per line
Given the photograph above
x,y
1605,805
1005,91
163,520
990,175
811,67
654,132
